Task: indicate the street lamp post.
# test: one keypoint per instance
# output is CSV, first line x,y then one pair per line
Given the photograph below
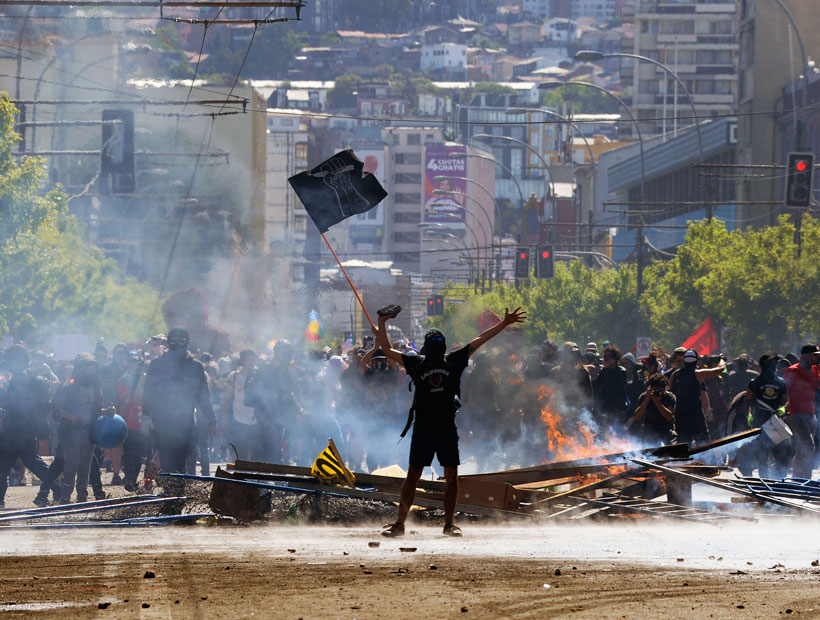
x,y
475,238
798,137
444,235
574,126
549,185
496,211
639,239
487,241
591,55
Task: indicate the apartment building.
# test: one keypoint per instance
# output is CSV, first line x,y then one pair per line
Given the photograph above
x,y
405,178
287,150
769,59
698,40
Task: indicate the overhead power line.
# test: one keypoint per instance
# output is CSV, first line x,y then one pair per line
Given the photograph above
x,y
262,4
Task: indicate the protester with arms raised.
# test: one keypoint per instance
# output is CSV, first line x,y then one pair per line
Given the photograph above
x,y
437,379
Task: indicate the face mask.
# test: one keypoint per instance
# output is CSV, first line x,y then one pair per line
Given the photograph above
x,y
435,349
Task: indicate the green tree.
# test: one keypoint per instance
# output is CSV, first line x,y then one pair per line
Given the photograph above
x,y
583,99
341,95
50,279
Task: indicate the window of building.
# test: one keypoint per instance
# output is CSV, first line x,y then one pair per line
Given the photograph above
x,y
300,150
407,217
405,198
407,177
406,237
413,139
408,158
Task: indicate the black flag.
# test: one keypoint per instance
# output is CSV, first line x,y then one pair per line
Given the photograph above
x,y
336,189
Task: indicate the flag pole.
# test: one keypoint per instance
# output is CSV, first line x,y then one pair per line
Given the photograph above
x,y
349,281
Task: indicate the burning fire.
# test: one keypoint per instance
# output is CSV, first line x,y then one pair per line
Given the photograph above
x,y
569,441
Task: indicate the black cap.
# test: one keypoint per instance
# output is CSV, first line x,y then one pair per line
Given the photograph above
x,y
768,358
809,348
178,337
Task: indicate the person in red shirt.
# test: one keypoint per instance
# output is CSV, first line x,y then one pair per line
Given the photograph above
x,y
802,381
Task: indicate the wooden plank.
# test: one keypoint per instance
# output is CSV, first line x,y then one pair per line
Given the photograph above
x,y
546,473
362,478
584,488
678,450
727,487
724,441
552,482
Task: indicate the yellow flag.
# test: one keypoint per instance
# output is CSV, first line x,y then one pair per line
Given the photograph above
x,y
329,467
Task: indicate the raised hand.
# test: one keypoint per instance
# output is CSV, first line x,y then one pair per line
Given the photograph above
x,y
516,316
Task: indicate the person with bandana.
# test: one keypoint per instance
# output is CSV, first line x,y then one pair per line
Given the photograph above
x,y
437,379
175,388
692,409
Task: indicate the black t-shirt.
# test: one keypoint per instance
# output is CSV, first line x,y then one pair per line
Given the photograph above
x,y
653,419
437,383
770,390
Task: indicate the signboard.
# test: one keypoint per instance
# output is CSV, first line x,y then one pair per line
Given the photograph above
x,y
643,346
445,209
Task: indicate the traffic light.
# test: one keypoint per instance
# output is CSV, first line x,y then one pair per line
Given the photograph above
x,y
522,263
117,152
545,267
800,170
435,306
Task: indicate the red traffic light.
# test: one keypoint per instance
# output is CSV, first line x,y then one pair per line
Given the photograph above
x,y
430,302
801,165
438,301
545,254
523,256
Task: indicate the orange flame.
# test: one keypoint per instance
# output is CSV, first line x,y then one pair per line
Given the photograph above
x,y
568,442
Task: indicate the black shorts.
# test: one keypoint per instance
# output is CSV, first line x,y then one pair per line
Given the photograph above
x,y
442,443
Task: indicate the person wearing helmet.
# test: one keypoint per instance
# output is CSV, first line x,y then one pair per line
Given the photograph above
x,y
692,402
176,387
437,377
21,402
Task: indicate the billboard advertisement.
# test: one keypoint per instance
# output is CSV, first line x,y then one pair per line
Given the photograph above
x,y
444,172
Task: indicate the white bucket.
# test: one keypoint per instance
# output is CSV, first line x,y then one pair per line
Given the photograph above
x,y
774,432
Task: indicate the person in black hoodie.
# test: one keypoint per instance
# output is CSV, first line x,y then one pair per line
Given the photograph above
x,y
21,403
176,387
79,401
437,379
692,410
609,389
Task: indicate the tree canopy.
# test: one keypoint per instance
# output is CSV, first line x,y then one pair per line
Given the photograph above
x,y
755,283
51,280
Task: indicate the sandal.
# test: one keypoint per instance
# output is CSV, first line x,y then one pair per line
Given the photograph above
x,y
389,312
451,530
392,530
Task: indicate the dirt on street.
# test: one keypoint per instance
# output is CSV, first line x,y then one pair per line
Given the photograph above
x,y
336,572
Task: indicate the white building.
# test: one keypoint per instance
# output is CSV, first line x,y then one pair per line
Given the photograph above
x,y
541,8
445,57
287,148
600,10
560,29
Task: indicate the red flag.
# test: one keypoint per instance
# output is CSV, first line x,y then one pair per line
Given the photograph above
x,y
703,339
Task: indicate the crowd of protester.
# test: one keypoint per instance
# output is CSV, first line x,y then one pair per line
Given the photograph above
x,y
184,408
